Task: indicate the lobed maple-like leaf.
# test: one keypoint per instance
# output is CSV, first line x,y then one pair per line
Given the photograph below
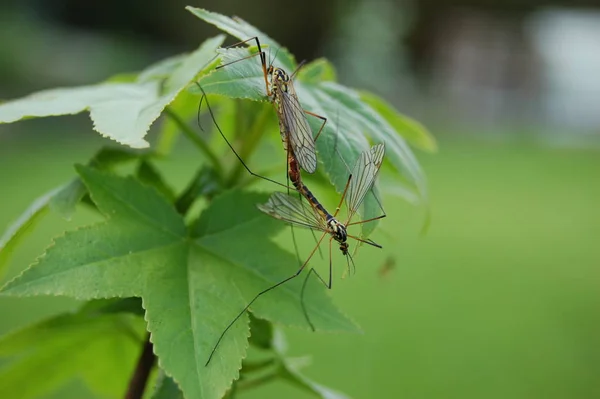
x,y
121,111
352,123
99,348
192,283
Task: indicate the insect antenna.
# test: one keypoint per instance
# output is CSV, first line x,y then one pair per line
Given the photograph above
x,y
271,61
350,260
300,65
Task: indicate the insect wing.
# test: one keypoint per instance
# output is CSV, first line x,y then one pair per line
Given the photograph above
x,y
293,210
363,176
297,127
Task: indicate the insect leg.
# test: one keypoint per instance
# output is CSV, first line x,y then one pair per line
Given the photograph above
x,y
258,296
327,284
204,97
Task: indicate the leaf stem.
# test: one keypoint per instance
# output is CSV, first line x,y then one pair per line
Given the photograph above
x,y
194,138
166,142
138,381
250,143
248,384
257,366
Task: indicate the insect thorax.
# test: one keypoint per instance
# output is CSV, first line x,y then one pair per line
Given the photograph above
x,y
279,81
338,231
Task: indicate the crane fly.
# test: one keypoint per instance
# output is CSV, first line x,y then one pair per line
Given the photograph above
x,y
285,138
312,215
293,125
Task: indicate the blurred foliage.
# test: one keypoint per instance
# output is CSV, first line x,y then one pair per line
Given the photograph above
x,y
145,249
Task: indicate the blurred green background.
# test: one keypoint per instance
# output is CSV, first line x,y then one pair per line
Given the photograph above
x,y
500,298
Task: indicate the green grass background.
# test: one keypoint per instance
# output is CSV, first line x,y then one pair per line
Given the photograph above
x,y
500,299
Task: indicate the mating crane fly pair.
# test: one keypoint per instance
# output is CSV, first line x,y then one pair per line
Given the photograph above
x,y
305,210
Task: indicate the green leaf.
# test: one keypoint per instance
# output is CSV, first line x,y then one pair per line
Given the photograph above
x,y
414,132
66,198
358,121
161,69
370,209
261,332
167,388
61,200
185,107
244,79
267,265
351,126
191,288
120,111
242,30
102,349
148,174
204,183
23,225
319,70
115,108
289,371
108,157
352,123
114,305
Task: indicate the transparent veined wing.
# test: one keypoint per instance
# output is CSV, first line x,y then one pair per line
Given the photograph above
x,y
299,132
293,210
364,174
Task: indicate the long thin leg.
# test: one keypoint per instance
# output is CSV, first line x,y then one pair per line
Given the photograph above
x,y
262,55
367,241
321,118
337,209
212,115
263,60
259,295
255,38
367,220
371,219
327,284
296,245
370,242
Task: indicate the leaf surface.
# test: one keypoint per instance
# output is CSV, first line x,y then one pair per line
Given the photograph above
x,y
191,287
411,130
62,200
354,121
120,111
101,349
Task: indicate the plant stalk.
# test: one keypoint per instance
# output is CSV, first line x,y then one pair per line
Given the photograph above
x,y
194,138
250,143
139,379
